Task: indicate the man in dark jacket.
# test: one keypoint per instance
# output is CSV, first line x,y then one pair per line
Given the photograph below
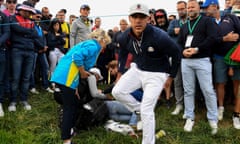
x,y
23,41
197,38
4,35
161,19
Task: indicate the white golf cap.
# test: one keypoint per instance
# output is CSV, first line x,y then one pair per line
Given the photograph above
x,y
139,8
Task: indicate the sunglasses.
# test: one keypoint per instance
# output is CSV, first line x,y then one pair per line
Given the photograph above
x,y
160,17
38,17
13,2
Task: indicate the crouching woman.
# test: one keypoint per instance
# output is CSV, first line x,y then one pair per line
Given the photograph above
x,y
73,66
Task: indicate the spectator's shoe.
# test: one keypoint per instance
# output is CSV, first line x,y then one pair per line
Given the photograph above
x,y
184,116
220,113
57,89
177,110
34,91
236,122
26,105
139,123
139,126
188,125
12,107
1,110
214,127
49,90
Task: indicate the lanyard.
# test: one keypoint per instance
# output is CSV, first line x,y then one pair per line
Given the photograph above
x,y
191,29
181,22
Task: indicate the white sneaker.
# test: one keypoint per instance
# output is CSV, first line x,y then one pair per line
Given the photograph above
x,y
236,122
220,113
177,110
1,110
49,90
139,125
34,91
184,116
12,107
214,127
188,125
26,105
57,90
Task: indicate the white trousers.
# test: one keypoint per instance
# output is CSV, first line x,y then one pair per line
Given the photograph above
x,y
54,57
152,84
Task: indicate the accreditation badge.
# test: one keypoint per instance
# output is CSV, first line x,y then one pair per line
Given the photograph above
x,y
189,41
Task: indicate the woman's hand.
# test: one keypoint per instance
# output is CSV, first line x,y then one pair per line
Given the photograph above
x,y
84,74
77,94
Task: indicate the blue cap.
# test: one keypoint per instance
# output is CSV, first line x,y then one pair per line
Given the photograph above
x,y
85,6
38,12
209,2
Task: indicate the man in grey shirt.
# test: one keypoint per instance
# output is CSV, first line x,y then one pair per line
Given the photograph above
x,y
81,27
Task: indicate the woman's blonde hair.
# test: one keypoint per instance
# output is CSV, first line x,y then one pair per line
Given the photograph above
x,y
99,35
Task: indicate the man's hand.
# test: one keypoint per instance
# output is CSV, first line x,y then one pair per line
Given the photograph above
x,y
189,52
176,31
231,37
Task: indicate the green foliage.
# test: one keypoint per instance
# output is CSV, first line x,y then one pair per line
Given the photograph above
x,y
40,126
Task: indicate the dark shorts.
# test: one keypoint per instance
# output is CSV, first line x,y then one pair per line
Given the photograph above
x,y
221,71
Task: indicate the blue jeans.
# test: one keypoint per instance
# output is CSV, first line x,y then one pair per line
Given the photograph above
x,y
202,69
44,69
8,72
32,78
41,60
2,72
118,112
22,66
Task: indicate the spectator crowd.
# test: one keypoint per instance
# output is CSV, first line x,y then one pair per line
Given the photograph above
x,y
191,47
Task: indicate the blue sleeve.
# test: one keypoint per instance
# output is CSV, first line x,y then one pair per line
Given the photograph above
x,y
138,94
84,52
171,27
173,51
123,53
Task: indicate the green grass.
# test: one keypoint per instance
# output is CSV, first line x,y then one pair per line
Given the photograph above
x,y
40,126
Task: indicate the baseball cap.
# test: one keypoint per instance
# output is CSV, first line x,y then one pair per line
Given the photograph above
x,y
38,11
26,8
159,13
96,71
209,2
139,8
85,6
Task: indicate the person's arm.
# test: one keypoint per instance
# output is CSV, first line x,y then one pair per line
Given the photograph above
x,y
171,27
93,88
5,30
73,34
